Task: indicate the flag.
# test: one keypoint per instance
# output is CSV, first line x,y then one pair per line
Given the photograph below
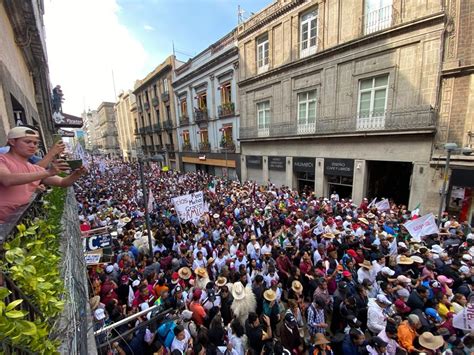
x,y
383,205
151,200
422,226
372,203
416,211
464,320
212,187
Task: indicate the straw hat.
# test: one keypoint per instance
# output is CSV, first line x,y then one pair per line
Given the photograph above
x,y
363,220
221,281
126,220
430,341
210,261
238,291
320,339
184,273
366,264
405,260
201,272
297,287
269,295
329,236
94,302
417,259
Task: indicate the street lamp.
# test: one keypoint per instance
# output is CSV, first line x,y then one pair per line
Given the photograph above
x,y
145,194
450,149
225,151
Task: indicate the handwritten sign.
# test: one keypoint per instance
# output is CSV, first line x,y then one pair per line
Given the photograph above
x,y
93,258
419,227
189,207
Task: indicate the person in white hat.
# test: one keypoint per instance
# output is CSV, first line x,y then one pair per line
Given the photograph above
x,y
19,179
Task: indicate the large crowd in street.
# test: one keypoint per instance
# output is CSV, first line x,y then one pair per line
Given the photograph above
x,y
269,270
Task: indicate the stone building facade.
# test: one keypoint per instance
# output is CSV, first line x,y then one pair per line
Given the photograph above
x,y
205,92
25,91
344,96
156,116
106,135
126,124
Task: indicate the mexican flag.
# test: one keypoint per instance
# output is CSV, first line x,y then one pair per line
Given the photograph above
x,y
416,211
212,187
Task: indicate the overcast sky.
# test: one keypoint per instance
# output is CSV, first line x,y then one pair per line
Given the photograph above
x,y
88,40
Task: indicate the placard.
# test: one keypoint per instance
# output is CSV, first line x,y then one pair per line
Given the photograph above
x,y
189,207
277,163
93,257
95,242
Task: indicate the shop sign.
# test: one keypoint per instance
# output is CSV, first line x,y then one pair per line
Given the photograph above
x,y
302,164
277,163
339,167
97,242
65,133
254,161
66,120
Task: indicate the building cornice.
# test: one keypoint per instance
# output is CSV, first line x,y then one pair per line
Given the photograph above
x,y
207,66
160,70
356,43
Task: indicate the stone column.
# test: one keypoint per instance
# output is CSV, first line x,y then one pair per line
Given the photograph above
x,y
265,169
419,182
319,178
243,168
289,172
359,182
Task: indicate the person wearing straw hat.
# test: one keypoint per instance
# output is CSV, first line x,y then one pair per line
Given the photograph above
x,y
320,345
430,342
364,272
244,302
271,307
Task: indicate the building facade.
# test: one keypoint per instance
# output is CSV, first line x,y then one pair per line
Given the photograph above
x,y
206,102
106,136
126,124
156,115
25,92
343,96
91,121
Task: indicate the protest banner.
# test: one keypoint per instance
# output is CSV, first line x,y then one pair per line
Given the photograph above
x,y
419,227
189,207
95,242
464,320
93,258
383,205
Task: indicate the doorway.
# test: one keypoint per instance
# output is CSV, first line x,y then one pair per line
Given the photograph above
x,y
305,182
389,180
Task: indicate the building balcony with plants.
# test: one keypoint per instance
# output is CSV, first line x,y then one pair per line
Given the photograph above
x,y
43,285
225,110
186,146
204,147
200,115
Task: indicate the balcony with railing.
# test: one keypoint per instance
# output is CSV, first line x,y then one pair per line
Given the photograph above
x,y
170,147
168,125
411,119
146,106
226,110
148,129
228,145
159,148
184,120
204,147
154,101
165,96
157,127
141,130
42,270
379,19
186,147
200,115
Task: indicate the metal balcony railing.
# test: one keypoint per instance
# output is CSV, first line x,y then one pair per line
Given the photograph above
x,y
168,125
148,129
402,120
184,120
141,130
204,147
146,106
229,146
157,127
200,115
227,109
170,147
154,101
186,147
379,19
165,96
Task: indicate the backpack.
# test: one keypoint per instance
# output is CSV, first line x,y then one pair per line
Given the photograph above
x,y
166,334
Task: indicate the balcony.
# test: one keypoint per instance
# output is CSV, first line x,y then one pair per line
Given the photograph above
x,y
159,148
200,115
140,109
379,20
154,101
42,270
157,127
141,130
226,110
168,125
135,131
414,119
184,120
146,106
165,96
170,147
228,145
148,129
204,147
186,147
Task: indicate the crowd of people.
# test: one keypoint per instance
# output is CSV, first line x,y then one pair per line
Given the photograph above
x,y
269,270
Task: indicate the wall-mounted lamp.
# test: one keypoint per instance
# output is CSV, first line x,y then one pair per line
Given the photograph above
x,y
358,166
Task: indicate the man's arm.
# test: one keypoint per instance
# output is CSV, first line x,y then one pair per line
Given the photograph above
x,y
8,179
66,181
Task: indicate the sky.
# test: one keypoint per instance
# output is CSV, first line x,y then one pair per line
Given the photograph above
x,y
98,48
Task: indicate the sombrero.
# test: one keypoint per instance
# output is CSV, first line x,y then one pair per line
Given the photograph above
x,y
366,264
184,273
269,295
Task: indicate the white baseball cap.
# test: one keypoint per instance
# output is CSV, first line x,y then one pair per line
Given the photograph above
x,y
22,132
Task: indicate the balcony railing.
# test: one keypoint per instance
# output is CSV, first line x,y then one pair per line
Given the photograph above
x,y
226,110
404,120
204,147
157,127
148,129
146,106
170,147
306,127
158,148
200,115
186,147
165,96
135,131
184,120
140,109
154,101
229,146
379,19
141,130
168,125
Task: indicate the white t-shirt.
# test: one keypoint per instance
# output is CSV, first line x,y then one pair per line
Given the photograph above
x,y
181,345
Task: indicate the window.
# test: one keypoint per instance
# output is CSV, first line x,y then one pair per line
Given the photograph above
x,y
184,107
226,92
168,113
186,137
165,85
263,115
309,32
202,101
377,15
307,107
262,53
373,96
154,91
204,136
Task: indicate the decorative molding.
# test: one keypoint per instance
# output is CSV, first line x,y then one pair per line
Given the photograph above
x,y
451,29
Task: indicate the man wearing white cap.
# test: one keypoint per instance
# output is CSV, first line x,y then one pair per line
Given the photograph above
x,y
376,317
19,179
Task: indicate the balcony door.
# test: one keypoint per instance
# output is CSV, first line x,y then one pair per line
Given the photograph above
x,y
377,15
372,103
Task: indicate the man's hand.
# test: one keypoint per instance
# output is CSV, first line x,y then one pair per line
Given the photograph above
x,y
53,169
79,172
62,165
58,148
266,319
41,188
